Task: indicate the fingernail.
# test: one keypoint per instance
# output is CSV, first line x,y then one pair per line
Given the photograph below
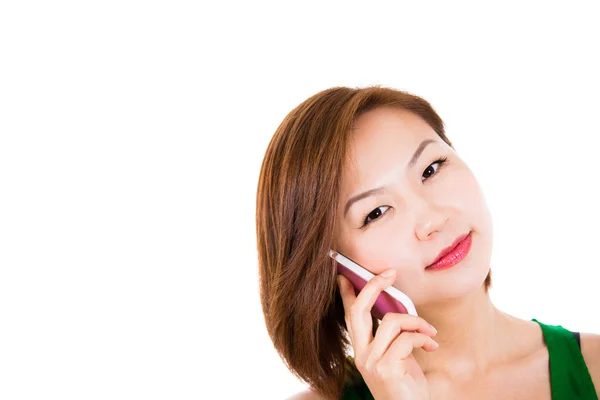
x,y
388,273
432,327
435,344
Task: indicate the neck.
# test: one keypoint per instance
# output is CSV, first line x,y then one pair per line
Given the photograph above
x,y
471,335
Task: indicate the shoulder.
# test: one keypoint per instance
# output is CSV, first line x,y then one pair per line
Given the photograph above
x,y
306,395
590,348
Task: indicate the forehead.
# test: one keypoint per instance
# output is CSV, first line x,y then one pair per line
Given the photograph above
x,y
385,138
394,129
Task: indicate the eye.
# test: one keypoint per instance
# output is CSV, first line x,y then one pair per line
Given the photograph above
x,y
430,170
373,215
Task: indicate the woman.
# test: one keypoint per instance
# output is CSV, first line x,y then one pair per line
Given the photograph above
x,y
370,173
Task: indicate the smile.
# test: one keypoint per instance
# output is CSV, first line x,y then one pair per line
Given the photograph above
x,y
456,254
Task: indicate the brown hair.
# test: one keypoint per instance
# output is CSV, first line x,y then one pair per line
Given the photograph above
x,y
296,206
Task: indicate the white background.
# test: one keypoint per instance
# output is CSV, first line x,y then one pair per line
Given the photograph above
x,y
131,137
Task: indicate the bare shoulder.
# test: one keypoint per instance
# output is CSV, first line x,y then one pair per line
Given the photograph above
x,y
590,348
306,395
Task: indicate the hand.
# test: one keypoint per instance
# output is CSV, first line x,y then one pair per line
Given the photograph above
x,y
385,361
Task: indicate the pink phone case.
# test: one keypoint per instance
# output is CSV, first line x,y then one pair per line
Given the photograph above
x,y
390,300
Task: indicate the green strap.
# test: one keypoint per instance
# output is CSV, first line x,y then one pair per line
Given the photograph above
x,y
569,376
356,391
355,387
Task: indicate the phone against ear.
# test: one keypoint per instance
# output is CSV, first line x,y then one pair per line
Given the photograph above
x,y
390,300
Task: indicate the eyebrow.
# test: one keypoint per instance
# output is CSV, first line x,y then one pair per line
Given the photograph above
x,y
419,151
377,190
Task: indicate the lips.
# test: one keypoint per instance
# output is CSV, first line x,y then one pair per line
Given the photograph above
x,y
452,254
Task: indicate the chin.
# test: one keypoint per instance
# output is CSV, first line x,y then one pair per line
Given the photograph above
x,y
461,284
463,279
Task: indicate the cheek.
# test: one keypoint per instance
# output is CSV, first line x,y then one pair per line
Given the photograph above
x,y
386,246
465,196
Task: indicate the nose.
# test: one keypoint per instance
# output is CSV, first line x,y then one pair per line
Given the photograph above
x,y
430,220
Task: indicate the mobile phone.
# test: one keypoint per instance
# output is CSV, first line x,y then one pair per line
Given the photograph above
x,y
390,300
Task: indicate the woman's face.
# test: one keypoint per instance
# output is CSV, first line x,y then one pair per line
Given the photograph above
x,y
414,210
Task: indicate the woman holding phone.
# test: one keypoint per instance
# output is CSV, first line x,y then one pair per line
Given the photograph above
x,y
370,173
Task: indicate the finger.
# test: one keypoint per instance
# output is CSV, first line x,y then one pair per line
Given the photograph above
x,y
404,344
348,299
392,325
346,291
360,310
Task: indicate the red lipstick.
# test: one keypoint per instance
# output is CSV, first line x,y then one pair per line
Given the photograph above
x,y
452,254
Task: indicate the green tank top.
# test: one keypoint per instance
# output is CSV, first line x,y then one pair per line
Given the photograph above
x,y
569,376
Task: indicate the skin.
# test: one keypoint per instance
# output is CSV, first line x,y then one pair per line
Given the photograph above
x,y
420,210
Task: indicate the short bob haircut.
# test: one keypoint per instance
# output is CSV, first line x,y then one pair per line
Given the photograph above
x,y
297,199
